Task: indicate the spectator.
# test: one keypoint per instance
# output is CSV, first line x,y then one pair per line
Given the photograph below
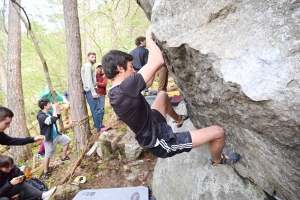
x,y
140,54
89,86
47,94
101,91
48,127
140,57
6,116
12,181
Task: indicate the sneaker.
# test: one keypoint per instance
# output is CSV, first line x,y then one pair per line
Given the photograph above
x,y
46,175
39,156
48,194
65,159
104,128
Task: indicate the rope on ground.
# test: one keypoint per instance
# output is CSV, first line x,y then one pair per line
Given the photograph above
x,y
80,123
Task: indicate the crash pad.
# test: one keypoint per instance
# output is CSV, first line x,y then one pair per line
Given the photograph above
x,y
126,193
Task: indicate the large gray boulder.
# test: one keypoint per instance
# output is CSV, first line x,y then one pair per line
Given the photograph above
x,y
237,64
190,176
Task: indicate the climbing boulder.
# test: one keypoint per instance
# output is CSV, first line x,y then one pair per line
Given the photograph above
x,y
237,65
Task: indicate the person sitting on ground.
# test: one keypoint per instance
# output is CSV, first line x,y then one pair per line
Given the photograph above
x,y
149,124
101,81
48,127
6,116
12,181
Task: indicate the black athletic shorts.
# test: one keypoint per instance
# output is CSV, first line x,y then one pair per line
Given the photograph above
x,y
170,143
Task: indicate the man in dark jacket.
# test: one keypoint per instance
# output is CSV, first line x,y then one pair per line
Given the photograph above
x,y
140,53
6,116
47,122
140,58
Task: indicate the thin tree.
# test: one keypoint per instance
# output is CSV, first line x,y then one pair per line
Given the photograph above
x,y
14,81
42,58
79,114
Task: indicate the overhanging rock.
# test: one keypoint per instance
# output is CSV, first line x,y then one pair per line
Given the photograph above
x,y
237,64
191,176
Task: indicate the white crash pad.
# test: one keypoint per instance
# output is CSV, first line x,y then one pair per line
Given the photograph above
x,y
128,193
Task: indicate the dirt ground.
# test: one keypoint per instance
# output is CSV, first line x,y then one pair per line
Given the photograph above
x,y
100,174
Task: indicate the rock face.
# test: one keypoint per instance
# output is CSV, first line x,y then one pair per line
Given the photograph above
x,y
190,176
237,64
112,143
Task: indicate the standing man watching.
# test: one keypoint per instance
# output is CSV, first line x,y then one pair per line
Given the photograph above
x,y
101,91
140,53
48,127
140,58
89,86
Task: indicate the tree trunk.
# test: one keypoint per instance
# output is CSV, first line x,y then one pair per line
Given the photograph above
x,y
86,25
44,63
14,79
79,114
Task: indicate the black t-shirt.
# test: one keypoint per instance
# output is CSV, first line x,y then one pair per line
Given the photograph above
x,y
134,110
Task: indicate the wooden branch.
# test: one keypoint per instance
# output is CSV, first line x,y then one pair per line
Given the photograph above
x,y
36,169
33,161
70,172
29,25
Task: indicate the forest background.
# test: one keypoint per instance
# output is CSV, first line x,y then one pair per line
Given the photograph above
x,y
104,25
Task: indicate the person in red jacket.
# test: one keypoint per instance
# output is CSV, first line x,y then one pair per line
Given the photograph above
x,y
101,91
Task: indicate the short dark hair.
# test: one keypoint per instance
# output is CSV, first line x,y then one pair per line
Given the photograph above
x,y
43,102
98,66
6,161
139,39
112,60
91,53
4,113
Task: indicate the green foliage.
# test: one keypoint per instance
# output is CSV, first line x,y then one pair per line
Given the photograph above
x,y
2,97
76,153
122,129
91,176
101,166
